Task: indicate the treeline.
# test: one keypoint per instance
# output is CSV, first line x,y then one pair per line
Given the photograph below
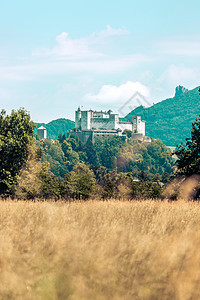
x,y
145,161
67,169
36,181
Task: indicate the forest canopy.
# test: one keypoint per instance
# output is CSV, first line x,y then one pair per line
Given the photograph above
x,y
146,161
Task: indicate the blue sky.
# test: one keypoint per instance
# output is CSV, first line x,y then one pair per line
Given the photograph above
x,y
57,55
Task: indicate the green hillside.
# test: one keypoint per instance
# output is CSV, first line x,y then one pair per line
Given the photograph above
x,y
56,126
170,120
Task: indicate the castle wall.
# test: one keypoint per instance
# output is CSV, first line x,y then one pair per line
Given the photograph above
x,y
124,126
103,123
83,136
138,137
92,135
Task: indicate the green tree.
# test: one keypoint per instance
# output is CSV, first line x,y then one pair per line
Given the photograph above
x,y
79,182
107,150
61,138
52,152
29,184
50,184
147,161
145,190
128,133
188,162
16,134
92,157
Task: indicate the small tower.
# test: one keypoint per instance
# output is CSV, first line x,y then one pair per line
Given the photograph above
x,y
42,132
138,125
78,118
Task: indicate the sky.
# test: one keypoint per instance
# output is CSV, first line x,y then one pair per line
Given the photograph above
x,y
100,55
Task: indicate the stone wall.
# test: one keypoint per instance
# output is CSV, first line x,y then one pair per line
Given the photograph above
x,y
102,123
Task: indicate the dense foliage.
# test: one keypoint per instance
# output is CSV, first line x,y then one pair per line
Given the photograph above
x,y
16,134
188,162
145,161
185,183
109,168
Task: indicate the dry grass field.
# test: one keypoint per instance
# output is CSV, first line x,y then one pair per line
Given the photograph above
x,y
99,250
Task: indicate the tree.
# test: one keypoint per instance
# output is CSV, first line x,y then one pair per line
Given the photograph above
x,y
188,162
92,157
61,138
79,182
128,133
107,149
146,161
50,184
29,184
16,134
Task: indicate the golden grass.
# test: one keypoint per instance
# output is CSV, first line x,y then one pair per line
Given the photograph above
x,y
99,250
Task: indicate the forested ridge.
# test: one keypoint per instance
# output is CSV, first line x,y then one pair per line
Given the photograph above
x,y
170,120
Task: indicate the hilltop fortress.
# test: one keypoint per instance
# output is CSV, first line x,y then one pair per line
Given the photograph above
x,y
91,124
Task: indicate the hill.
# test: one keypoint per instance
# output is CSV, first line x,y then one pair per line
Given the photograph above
x,y
56,126
170,120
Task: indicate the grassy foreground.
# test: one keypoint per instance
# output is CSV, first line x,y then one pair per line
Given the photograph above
x,y
99,250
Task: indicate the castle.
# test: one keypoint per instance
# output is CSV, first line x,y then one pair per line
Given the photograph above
x,y
91,124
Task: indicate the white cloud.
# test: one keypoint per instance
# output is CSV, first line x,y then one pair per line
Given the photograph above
x,y
127,96
81,48
69,48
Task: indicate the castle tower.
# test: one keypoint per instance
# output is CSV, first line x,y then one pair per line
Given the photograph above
x,y
78,118
114,121
42,132
86,119
138,125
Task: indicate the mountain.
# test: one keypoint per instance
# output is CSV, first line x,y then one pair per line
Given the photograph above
x,y
56,126
170,120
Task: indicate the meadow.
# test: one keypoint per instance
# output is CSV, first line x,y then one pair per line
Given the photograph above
x,y
99,250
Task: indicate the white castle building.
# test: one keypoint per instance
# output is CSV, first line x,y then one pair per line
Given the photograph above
x,y
90,124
